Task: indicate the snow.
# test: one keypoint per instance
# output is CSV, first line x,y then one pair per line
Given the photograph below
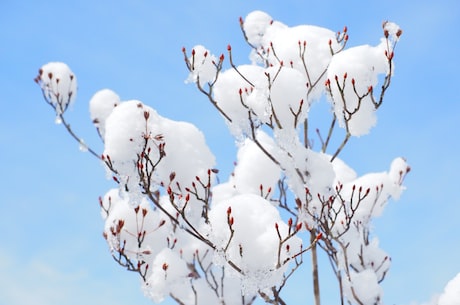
x,y
181,227
135,223
254,245
59,86
254,169
356,70
255,26
382,186
226,93
267,102
202,66
297,47
169,275
100,107
364,287
134,128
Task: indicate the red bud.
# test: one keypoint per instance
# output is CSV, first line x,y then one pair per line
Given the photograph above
x,y
298,226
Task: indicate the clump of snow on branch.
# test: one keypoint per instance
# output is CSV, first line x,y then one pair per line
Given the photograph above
x,y
203,66
374,189
125,226
169,275
100,107
245,226
306,48
255,26
59,86
135,131
254,170
352,76
364,288
227,94
353,73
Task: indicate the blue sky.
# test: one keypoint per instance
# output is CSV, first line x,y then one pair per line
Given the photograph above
x,y
51,247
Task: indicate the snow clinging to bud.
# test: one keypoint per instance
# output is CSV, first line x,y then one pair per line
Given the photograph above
x,y
58,84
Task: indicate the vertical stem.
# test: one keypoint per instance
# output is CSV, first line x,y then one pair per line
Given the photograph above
x,y
305,133
339,277
314,261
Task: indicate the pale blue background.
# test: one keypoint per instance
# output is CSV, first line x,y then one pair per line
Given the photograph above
x,y
51,247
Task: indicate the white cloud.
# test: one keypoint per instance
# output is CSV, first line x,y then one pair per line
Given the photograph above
x,y
451,294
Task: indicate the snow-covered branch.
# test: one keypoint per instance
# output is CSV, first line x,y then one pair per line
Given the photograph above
x,y
197,240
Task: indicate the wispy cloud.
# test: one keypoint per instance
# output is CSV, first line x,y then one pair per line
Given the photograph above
x,y
39,282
